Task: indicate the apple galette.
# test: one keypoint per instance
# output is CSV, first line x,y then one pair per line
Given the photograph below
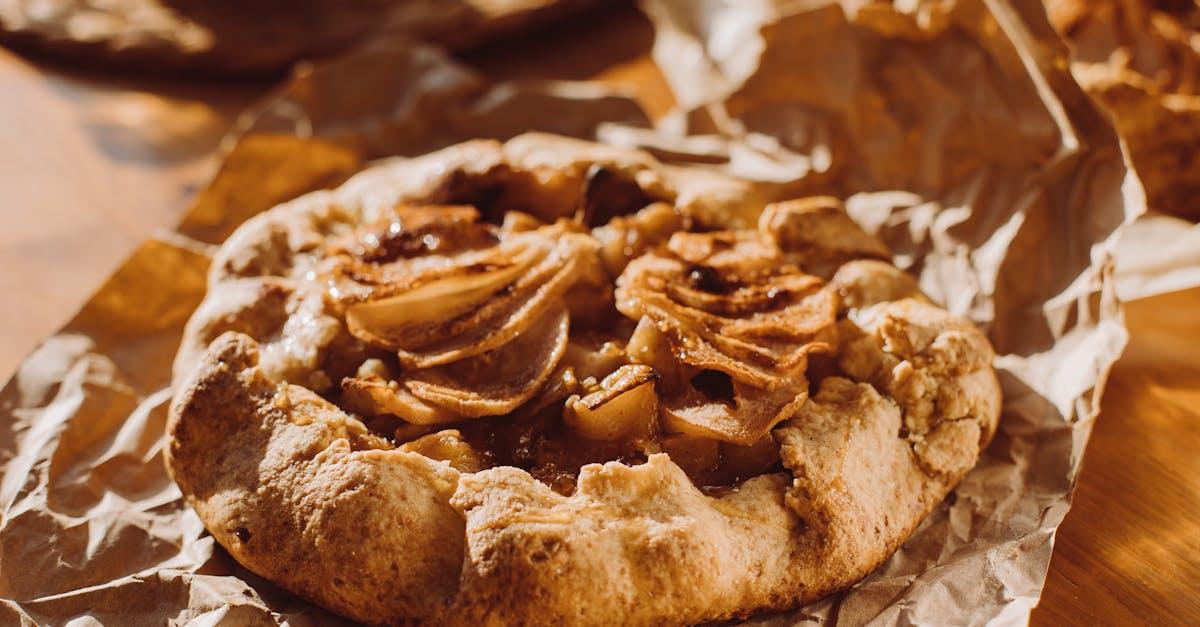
x,y
554,382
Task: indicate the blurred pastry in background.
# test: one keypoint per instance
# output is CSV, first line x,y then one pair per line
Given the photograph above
x,y
1141,60
255,36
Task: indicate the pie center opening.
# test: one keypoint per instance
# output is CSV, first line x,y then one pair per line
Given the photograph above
x,y
551,344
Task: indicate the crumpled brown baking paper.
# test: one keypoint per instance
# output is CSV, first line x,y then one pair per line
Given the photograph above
x,y
954,128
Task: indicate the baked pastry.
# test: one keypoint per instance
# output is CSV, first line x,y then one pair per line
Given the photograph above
x,y
1139,60
536,383
256,36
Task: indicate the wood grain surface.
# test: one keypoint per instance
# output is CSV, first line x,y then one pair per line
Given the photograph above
x,y
91,165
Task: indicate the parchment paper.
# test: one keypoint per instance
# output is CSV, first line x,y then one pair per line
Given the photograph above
x,y
954,128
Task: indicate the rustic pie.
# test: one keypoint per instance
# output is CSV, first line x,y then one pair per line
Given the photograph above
x,y
555,382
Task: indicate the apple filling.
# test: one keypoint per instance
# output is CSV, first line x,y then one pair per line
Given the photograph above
x,y
508,345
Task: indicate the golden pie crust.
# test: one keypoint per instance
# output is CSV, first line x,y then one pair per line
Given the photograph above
x,y
871,402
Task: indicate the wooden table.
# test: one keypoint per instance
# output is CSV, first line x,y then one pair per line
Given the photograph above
x,y
91,165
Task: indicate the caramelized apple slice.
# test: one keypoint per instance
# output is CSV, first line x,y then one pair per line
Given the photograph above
x,y
499,381
712,403
695,455
624,406
372,395
411,286
399,320
504,316
729,325
740,414
751,325
742,461
594,357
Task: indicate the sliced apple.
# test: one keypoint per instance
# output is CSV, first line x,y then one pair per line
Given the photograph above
x,y
398,321
375,396
625,406
695,455
499,381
